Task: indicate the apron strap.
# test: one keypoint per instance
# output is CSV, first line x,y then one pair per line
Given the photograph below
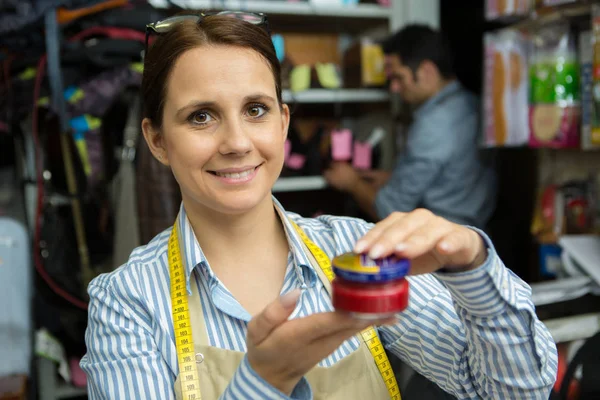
x,y
199,332
317,268
307,252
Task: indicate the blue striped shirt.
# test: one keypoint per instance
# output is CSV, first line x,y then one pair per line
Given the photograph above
x,y
440,168
475,333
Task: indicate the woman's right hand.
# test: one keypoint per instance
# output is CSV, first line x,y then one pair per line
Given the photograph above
x,y
282,351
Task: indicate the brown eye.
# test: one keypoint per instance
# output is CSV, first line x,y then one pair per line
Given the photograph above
x,y
200,118
256,111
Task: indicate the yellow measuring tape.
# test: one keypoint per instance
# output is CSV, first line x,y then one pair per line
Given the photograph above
x,y
188,373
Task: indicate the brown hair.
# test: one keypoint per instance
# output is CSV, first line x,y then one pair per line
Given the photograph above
x,y
187,35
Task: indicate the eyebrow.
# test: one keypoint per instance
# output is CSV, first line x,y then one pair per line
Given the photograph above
x,y
195,104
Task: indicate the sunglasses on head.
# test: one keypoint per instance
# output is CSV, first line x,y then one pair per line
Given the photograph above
x,y
167,24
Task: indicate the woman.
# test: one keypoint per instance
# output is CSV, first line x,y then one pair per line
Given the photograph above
x,y
261,317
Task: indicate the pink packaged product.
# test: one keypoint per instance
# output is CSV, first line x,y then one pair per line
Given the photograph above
x,y
77,375
554,126
287,149
341,145
362,155
295,161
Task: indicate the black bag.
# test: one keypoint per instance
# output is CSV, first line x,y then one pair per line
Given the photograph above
x,y
588,357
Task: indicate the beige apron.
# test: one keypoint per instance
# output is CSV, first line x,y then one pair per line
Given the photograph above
x,y
354,377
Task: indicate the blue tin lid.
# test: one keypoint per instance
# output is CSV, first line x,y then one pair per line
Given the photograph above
x,y
360,268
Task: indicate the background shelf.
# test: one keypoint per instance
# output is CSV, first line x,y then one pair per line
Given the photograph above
x,y
573,328
300,183
337,96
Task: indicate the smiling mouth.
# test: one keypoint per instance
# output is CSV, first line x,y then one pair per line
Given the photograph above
x,y
235,175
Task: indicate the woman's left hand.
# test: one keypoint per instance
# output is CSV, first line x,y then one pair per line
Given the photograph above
x,y
429,241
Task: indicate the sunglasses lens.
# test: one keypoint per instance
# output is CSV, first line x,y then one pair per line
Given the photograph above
x,y
248,17
166,24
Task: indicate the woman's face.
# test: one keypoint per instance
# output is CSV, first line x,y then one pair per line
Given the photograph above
x,y
223,130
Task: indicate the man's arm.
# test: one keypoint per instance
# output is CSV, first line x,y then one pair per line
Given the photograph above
x,y
411,178
431,144
428,149
364,194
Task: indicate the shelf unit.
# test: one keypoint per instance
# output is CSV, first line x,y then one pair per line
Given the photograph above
x,y
585,325
300,183
572,328
315,96
544,16
49,385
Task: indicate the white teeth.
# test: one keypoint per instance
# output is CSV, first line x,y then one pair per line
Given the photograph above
x,y
235,175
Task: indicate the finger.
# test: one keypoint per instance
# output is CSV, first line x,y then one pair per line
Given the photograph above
x,y
312,353
424,239
364,244
276,313
392,240
329,176
361,325
330,173
460,247
321,325
326,345
317,326
367,174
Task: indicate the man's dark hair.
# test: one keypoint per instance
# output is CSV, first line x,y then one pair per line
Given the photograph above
x,y
416,43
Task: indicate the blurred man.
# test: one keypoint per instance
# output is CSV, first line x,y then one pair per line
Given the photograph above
x,y
439,168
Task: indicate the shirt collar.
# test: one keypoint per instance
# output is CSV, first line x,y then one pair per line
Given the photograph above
x,y
304,269
446,91
192,252
194,256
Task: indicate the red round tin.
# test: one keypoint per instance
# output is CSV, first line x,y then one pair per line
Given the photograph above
x,y
370,289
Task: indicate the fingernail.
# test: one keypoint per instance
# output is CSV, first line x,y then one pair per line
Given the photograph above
x,y
360,247
445,246
290,299
400,247
376,251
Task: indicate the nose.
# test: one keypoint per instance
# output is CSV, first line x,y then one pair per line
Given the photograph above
x,y
235,139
